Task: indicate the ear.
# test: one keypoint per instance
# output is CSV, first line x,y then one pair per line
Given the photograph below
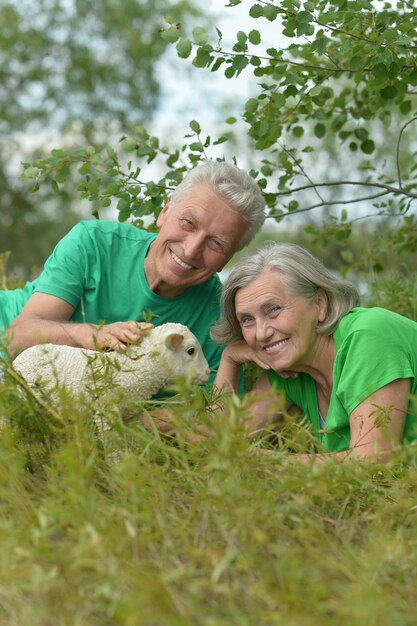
x,y
322,304
161,217
173,341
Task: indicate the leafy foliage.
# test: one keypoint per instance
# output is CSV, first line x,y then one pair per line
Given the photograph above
x,y
71,72
345,80
208,533
351,63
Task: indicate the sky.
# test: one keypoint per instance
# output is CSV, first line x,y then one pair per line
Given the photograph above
x,y
190,93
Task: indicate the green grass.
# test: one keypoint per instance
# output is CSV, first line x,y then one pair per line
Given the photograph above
x,y
128,528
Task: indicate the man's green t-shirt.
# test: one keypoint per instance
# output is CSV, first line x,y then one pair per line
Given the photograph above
x,y
98,268
374,347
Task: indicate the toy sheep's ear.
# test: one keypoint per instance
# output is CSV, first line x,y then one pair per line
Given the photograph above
x,y
174,340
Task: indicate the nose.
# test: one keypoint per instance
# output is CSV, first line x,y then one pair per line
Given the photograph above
x,y
193,245
264,330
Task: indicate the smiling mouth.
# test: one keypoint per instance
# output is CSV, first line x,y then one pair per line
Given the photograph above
x,y
276,346
181,263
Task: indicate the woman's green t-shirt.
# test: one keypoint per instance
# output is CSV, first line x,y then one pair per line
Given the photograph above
x,y
374,347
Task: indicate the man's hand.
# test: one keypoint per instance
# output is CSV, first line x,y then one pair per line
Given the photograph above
x,y
118,335
45,319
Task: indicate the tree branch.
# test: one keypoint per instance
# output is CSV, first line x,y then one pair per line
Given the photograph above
x,y
413,119
332,203
388,188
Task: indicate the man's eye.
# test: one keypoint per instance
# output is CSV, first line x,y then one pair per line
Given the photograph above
x,y
216,245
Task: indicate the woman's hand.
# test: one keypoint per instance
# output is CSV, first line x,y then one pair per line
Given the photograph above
x,y
233,357
239,352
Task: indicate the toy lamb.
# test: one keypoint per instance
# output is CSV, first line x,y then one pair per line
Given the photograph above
x,y
168,352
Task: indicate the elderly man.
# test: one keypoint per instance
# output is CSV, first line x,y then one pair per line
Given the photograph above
x,y
105,277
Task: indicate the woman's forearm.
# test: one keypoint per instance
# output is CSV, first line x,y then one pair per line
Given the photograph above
x,y
227,378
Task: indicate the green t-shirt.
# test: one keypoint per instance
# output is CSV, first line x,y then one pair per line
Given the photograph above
x,y
374,347
98,268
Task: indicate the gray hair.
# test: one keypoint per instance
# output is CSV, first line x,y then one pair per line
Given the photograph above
x,y
235,186
304,276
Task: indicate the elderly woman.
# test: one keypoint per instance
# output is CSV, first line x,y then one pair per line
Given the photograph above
x,y
355,369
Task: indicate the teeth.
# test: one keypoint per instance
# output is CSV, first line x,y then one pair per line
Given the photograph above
x,y
275,345
182,263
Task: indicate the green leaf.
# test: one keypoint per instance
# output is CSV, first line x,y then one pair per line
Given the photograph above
x,y
124,202
200,36
256,11
239,63
230,120
255,37
319,130
195,126
413,76
393,70
405,107
54,186
85,168
291,90
217,63
346,255
266,170
171,34
62,173
298,131
220,140
380,71
305,16
368,146
251,105
196,146
270,12
361,133
59,154
31,172
203,58
389,92
184,47
128,145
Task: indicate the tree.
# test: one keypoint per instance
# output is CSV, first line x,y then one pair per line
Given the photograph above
x,y
74,71
349,73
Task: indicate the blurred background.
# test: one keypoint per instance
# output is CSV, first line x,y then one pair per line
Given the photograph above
x,y
78,72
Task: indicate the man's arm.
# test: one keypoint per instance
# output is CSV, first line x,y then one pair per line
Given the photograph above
x,y
45,319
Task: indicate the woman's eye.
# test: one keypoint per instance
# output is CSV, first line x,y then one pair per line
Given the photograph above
x,y
274,309
245,321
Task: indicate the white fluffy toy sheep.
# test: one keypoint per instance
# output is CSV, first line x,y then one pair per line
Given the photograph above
x,y
168,352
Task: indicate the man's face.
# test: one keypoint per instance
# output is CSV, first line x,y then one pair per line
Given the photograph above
x,y
198,235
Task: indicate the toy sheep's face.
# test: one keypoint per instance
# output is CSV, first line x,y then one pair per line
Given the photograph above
x,y
198,235
188,356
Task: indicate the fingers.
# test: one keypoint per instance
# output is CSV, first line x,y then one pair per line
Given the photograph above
x,y
288,374
119,335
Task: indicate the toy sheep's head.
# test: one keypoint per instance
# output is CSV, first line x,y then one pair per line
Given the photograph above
x,y
183,353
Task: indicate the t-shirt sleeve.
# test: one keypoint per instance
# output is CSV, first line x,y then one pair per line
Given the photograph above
x,y
64,274
368,360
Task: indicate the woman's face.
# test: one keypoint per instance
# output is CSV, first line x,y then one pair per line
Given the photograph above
x,y
277,324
